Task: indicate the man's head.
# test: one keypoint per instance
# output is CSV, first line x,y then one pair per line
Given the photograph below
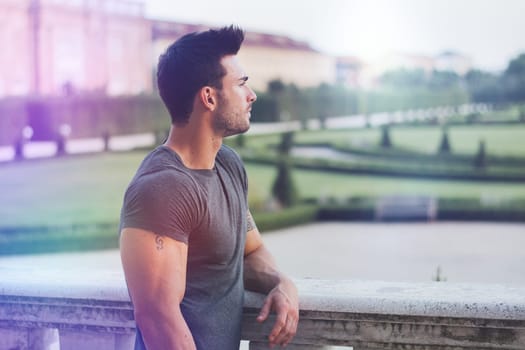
x,y
192,62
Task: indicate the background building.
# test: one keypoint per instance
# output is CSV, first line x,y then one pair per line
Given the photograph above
x,y
16,47
62,47
349,70
54,47
454,62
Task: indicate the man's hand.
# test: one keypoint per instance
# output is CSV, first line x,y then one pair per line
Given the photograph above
x,y
284,301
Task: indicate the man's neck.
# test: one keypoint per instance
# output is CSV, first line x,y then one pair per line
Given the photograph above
x,y
195,147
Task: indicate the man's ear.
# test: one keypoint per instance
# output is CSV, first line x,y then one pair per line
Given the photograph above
x,y
208,97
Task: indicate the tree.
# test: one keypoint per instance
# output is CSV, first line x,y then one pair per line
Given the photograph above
x,y
444,146
514,79
240,141
276,90
293,102
385,137
324,97
480,161
283,189
106,137
19,148
276,87
266,109
404,78
443,79
286,143
483,86
322,120
60,142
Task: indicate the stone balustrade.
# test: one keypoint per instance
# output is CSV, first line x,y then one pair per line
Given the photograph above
x,y
75,308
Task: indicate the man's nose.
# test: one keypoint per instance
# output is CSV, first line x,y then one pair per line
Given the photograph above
x,y
252,97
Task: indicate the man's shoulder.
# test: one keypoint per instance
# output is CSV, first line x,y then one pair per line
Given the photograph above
x,y
228,154
161,169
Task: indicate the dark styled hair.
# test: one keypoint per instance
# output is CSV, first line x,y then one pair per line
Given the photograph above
x,y
191,62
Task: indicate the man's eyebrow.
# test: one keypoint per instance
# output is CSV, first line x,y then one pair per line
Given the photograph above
x,y
244,78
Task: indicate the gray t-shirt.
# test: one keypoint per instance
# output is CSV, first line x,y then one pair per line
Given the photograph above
x,y
206,209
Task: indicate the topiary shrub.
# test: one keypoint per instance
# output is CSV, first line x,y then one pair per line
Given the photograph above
x,y
480,161
297,215
284,189
444,146
286,143
385,137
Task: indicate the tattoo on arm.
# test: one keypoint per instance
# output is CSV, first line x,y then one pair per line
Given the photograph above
x,y
159,241
250,223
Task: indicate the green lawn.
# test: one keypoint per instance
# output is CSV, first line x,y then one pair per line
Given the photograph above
x,y
502,140
89,189
316,184
82,189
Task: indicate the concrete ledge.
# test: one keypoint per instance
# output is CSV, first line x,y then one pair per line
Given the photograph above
x,y
81,310
384,315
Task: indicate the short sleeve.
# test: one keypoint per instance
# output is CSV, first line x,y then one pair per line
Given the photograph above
x,y
165,202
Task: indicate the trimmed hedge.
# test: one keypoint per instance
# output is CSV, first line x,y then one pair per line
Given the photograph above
x,y
43,244
346,213
33,240
475,210
415,170
297,215
411,155
88,116
448,209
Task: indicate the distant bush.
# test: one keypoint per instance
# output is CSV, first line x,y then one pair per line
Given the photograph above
x,y
88,116
480,161
346,213
474,209
31,240
297,215
444,145
426,170
266,109
284,189
47,239
286,143
385,137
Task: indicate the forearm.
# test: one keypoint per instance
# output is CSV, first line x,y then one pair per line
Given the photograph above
x,y
261,273
162,330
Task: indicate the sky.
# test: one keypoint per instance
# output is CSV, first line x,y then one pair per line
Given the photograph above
x,y
491,32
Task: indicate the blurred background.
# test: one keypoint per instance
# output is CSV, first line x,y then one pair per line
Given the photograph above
x,y
387,141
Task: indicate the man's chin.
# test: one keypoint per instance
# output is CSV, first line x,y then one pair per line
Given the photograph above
x,y
232,132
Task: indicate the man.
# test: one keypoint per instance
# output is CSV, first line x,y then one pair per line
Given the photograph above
x,y
189,245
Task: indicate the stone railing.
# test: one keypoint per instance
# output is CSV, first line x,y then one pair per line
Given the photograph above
x,y
78,309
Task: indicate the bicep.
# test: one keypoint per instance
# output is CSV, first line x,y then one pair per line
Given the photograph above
x,y
253,236
154,267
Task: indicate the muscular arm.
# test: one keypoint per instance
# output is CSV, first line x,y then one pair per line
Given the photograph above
x,y
260,270
261,275
155,270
